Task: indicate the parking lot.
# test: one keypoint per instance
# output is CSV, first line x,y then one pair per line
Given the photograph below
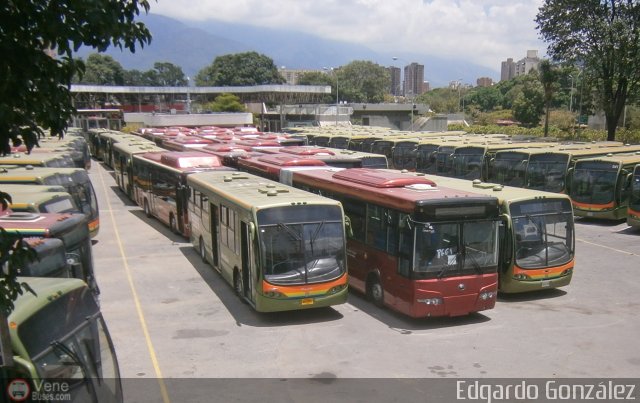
x,y
172,316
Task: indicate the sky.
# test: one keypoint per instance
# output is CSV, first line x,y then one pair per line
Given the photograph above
x,y
483,31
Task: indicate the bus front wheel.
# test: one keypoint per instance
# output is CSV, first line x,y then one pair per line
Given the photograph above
x,y
375,292
146,208
172,224
203,255
237,283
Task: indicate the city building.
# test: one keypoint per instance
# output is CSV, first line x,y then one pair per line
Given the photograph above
x,y
413,80
511,69
508,70
484,82
396,83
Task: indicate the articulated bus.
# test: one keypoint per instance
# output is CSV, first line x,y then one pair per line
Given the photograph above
x,y
538,241
633,215
71,229
159,184
122,155
416,247
74,180
600,187
58,336
549,169
280,248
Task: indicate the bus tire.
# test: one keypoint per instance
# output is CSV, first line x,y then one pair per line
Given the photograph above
x,y
203,253
172,224
237,283
147,210
375,292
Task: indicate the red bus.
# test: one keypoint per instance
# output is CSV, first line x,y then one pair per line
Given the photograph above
x,y
230,153
418,248
160,183
271,166
336,157
185,143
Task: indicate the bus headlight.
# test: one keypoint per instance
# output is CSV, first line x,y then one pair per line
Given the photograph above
x,y
487,295
430,301
274,294
337,289
522,277
567,271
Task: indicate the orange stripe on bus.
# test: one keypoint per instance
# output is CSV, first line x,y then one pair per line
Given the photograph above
x,y
304,289
540,274
591,206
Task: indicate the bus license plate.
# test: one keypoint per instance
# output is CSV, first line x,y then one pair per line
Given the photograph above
x,y
307,301
545,283
589,214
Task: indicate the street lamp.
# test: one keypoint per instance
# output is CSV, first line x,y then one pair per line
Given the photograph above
x,y
188,96
337,99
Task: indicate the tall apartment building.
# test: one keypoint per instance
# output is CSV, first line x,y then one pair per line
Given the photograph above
x,y
413,80
396,83
508,70
523,66
511,69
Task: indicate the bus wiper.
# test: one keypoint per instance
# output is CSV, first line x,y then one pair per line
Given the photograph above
x,y
289,231
474,262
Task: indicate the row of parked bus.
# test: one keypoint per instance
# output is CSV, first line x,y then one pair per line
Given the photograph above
x,y
282,227
598,176
57,337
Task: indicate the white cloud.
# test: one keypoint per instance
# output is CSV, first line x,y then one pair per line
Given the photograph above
x,y
484,32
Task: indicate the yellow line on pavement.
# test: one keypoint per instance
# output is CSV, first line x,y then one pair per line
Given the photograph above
x,y
136,300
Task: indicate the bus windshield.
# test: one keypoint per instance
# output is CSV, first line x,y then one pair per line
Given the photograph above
x,y
509,169
302,245
547,172
67,339
594,182
543,233
452,249
468,164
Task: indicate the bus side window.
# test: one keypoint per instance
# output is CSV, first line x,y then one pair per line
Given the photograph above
x,y
356,213
405,252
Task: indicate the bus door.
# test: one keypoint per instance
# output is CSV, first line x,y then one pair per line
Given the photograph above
x,y
247,261
214,229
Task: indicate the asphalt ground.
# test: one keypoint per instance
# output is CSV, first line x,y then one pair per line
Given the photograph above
x,y
181,334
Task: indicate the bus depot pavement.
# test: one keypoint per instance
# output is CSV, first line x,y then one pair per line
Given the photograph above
x,y
172,317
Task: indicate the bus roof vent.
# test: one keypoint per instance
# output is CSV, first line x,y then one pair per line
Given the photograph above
x,y
498,188
421,187
380,179
235,176
272,190
20,216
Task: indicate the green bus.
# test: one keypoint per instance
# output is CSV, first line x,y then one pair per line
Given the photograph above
x,y
58,341
633,215
281,248
538,241
601,187
549,169
42,202
75,181
43,159
71,229
122,154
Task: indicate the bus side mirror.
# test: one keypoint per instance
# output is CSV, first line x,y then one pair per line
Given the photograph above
x,y
569,180
347,226
506,242
252,231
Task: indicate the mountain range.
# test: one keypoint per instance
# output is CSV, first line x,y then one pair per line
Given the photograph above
x,y
194,45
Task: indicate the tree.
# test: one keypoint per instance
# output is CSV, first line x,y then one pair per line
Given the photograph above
x,y
318,78
528,105
102,70
548,78
602,35
362,81
240,69
169,75
440,100
485,98
226,103
35,86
